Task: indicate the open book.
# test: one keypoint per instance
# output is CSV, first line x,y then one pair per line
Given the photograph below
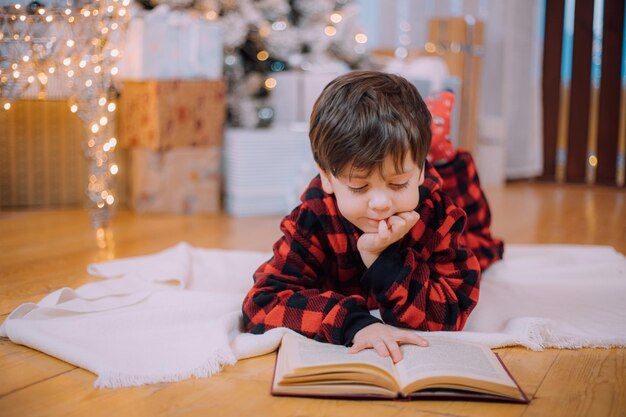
x,y
445,369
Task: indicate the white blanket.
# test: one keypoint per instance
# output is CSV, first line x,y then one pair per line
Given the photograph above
x,y
177,313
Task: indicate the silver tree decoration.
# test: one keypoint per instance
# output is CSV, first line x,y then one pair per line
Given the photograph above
x,y
77,41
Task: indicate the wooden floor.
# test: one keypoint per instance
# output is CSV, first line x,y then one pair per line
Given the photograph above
x,y
45,250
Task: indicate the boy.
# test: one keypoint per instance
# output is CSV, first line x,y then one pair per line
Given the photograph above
x,y
374,230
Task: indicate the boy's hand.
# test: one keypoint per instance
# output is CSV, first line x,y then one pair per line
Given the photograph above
x,y
370,245
384,339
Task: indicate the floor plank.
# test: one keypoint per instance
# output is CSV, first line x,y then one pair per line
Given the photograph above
x,y
22,367
583,382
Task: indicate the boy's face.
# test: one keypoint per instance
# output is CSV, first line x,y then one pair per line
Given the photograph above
x,y
366,199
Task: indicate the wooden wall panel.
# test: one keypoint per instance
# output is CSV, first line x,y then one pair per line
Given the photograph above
x,y
608,125
553,45
577,109
580,92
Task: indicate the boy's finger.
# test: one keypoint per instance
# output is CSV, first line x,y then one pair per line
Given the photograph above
x,y
359,346
394,350
396,222
381,348
409,216
383,230
412,338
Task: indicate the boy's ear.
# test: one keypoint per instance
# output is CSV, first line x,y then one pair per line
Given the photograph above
x,y
327,185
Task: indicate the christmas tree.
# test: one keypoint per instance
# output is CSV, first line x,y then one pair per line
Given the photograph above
x,y
267,36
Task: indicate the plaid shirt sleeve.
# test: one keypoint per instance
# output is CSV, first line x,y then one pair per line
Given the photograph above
x,y
429,280
288,290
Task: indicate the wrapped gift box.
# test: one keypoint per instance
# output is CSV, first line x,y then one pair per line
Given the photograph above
x,y
266,170
42,163
180,180
160,115
296,92
459,40
165,44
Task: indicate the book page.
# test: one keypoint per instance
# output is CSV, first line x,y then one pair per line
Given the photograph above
x,y
310,353
445,357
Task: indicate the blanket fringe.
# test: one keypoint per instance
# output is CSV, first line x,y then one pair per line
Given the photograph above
x,y
543,334
212,366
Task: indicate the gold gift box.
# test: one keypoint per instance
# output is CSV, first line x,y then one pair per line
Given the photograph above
x,y
160,115
180,180
42,163
459,41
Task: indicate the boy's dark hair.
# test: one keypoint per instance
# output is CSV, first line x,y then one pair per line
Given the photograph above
x,y
363,116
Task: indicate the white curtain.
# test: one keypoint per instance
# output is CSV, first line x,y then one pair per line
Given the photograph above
x,y
510,98
509,122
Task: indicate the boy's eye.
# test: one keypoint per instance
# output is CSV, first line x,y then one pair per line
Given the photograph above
x,y
399,186
358,190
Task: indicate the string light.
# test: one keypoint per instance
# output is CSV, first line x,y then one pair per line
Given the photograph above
x,y
81,44
593,160
336,18
279,25
270,83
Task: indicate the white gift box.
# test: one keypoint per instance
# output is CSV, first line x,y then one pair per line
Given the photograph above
x,y
266,170
166,44
296,92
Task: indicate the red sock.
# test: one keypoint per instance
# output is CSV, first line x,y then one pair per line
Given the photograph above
x,y
440,106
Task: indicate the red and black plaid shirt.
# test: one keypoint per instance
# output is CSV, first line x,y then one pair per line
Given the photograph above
x,y
317,284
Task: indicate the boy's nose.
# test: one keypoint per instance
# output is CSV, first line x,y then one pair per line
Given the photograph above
x,y
379,202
